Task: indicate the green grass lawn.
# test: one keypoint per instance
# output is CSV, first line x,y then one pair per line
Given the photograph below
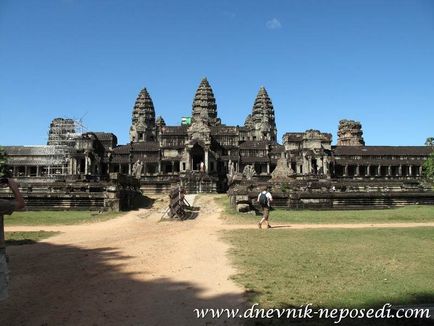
x,y
414,213
335,268
21,238
56,217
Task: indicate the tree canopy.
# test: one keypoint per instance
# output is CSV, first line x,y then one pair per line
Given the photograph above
x,y
428,167
2,161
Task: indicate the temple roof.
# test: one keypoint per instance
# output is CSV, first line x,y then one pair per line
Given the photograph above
x,y
382,150
293,136
48,150
365,161
134,147
105,135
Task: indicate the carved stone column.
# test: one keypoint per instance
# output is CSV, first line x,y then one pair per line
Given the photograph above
x,y
188,161
346,170
86,166
206,161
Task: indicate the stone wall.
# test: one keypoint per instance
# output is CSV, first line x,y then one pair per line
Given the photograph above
x,y
327,194
119,193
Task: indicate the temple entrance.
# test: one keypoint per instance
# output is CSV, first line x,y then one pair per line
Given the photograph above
x,y
314,166
197,155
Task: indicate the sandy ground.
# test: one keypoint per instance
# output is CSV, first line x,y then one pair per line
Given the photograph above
x,y
132,270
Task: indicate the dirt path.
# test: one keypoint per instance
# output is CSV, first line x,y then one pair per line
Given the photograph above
x,y
298,226
131,270
295,226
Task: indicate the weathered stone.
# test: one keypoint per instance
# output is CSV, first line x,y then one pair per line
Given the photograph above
x,y
262,121
204,105
249,172
350,133
62,132
143,119
243,208
282,171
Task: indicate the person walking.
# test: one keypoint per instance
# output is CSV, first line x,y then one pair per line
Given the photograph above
x,y
6,208
265,199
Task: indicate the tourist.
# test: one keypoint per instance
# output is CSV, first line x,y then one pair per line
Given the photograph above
x,y
265,199
6,208
202,167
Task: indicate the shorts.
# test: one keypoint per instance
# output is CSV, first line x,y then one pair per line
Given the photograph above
x,y
4,276
265,212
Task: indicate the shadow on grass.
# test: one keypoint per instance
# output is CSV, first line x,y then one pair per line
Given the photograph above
x,y
20,242
68,285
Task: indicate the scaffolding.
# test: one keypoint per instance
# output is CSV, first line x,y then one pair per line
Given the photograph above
x,y
64,131
62,137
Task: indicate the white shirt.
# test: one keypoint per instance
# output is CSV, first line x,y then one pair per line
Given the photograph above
x,y
269,197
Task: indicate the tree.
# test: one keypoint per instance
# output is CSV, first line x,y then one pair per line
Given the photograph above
x,y
2,162
428,167
429,141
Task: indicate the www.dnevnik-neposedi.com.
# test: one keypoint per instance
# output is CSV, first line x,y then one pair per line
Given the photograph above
x,y
307,312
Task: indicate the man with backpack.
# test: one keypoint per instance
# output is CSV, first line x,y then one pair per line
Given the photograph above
x,y
265,199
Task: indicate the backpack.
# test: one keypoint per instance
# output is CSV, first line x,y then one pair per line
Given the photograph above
x,y
263,200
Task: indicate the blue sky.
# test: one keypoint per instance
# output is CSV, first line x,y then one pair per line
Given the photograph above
x,y
321,61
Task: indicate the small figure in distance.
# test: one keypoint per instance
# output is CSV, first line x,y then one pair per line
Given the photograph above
x,y
265,199
7,207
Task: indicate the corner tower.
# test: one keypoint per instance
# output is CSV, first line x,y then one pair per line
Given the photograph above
x,y
204,105
143,119
262,120
350,133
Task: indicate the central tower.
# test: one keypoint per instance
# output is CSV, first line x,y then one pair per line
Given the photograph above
x,y
204,105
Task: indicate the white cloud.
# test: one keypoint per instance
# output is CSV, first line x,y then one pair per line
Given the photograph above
x,y
273,24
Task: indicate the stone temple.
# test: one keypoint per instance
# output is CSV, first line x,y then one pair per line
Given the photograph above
x,y
205,155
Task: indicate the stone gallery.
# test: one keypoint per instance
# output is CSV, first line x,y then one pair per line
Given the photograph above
x,y
205,155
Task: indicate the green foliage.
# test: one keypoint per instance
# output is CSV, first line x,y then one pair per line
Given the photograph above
x,y
31,237
3,160
284,187
429,141
428,168
57,218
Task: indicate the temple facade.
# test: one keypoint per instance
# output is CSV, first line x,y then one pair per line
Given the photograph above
x,y
203,151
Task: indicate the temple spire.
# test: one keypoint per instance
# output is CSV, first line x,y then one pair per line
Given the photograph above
x,y
143,118
204,105
262,119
